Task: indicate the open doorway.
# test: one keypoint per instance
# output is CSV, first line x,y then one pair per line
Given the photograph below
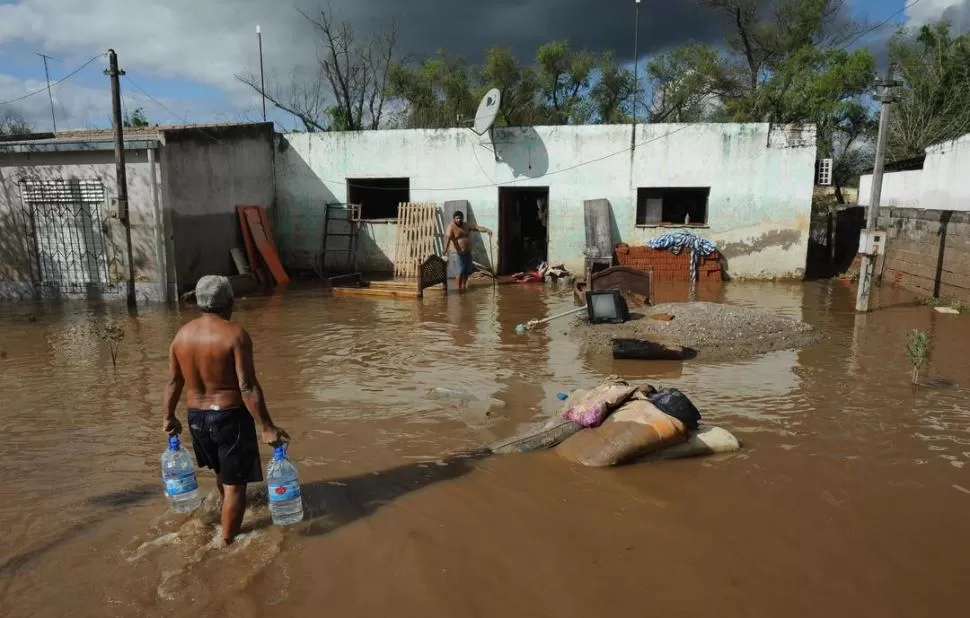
x,y
523,233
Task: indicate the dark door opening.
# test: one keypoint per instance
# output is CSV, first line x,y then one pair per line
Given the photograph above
x,y
523,236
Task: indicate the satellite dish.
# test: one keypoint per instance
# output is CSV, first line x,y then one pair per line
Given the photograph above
x,y
487,111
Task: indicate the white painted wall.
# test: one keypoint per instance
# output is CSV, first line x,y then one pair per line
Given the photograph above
x,y
761,180
940,185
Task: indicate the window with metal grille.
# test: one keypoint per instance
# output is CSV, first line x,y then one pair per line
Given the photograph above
x,y
64,219
672,205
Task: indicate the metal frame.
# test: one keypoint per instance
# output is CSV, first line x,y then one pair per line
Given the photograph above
x,y
353,221
65,237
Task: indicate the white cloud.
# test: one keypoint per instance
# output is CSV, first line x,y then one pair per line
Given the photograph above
x,y
929,11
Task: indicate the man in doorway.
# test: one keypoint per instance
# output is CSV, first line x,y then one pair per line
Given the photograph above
x,y
457,233
212,360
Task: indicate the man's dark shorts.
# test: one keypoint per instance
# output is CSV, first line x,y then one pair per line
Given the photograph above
x,y
465,265
225,441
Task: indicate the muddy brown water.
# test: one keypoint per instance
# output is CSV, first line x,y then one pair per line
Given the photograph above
x,y
850,499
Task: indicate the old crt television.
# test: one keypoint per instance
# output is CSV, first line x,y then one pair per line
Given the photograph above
x,y
606,307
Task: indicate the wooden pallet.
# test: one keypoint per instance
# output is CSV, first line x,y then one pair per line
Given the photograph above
x,y
433,273
416,233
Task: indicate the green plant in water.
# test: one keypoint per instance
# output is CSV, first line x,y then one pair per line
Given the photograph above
x,y
918,350
931,301
111,335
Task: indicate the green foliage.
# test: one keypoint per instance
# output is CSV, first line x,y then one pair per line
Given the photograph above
x,y
111,334
934,106
135,119
12,123
918,350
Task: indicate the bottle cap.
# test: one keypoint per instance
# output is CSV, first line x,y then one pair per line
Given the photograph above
x,y
279,453
173,443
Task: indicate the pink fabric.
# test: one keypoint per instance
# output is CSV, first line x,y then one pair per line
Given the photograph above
x,y
588,414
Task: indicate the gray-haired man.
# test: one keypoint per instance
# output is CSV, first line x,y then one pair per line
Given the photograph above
x,y
212,360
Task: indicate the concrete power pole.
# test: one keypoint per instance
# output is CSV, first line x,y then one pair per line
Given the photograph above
x,y
120,173
866,272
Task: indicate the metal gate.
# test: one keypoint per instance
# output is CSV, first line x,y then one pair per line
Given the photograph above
x,y
65,233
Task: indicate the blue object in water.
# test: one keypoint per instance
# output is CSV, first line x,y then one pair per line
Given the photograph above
x,y
562,396
178,474
283,485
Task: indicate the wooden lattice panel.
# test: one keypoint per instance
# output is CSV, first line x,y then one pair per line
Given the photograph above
x,y
416,232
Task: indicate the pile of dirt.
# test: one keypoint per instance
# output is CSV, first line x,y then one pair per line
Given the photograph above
x,y
713,331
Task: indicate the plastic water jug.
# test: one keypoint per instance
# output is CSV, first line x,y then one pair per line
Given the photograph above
x,y
283,484
178,474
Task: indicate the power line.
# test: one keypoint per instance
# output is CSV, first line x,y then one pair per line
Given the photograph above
x,y
878,26
63,79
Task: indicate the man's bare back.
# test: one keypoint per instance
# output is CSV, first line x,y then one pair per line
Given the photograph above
x,y
206,350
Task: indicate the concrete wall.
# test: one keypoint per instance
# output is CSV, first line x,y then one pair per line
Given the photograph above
x,y
15,275
761,180
927,251
940,185
205,175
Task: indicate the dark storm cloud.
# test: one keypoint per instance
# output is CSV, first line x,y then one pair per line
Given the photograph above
x,y
469,27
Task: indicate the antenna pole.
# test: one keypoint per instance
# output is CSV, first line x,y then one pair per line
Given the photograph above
x,y
636,62
49,95
262,79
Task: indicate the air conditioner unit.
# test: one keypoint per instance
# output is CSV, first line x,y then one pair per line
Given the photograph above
x,y
823,172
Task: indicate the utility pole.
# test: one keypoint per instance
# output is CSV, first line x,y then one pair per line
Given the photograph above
x,y
887,98
120,173
262,80
49,95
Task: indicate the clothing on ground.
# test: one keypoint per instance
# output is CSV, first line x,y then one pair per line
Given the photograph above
x,y
225,441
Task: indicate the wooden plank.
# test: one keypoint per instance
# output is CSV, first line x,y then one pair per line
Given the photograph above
x,y
248,243
374,292
599,230
263,240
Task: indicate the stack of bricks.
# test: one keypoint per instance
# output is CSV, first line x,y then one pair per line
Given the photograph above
x,y
666,266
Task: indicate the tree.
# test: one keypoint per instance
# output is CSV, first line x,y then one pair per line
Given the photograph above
x,y
135,119
518,84
613,94
347,90
563,79
436,92
688,83
12,123
934,103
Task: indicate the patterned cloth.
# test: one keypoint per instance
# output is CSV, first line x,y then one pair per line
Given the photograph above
x,y
675,242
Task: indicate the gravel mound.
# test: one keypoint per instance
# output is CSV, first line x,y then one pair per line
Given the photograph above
x,y
714,331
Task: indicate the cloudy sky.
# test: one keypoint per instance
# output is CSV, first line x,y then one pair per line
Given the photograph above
x,y
181,55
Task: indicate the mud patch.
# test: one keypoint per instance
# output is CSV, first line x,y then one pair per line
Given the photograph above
x,y
713,331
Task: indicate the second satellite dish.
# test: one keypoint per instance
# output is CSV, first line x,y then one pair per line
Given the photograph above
x,y
487,111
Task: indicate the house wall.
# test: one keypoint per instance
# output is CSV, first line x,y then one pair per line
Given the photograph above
x,y
927,251
940,185
15,274
761,179
205,175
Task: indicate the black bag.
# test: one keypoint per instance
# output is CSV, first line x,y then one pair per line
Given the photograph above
x,y
673,402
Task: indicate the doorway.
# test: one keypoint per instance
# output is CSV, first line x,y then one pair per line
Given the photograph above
x,y
523,231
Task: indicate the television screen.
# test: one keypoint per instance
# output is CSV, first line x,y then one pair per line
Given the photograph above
x,y
606,306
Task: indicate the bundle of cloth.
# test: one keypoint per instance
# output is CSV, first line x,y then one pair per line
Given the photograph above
x,y
675,242
616,423
541,272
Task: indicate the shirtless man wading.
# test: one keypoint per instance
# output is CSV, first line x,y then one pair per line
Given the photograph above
x,y
212,359
457,233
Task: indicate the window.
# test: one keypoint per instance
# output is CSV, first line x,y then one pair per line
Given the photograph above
x,y
823,172
672,206
378,197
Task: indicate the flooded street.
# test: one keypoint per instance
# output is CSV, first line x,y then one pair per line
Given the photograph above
x,y
849,499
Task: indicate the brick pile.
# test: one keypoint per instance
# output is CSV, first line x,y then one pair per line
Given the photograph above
x,y
666,266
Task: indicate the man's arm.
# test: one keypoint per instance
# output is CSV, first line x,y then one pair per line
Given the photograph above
x,y
449,238
252,393
173,392
480,229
